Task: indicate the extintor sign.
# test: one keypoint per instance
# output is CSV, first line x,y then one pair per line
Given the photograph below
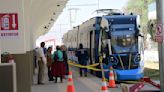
x,y
8,25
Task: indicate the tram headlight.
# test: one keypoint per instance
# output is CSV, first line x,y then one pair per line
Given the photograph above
x,y
137,58
113,60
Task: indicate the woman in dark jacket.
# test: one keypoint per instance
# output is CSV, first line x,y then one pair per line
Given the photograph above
x,y
65,57
49,63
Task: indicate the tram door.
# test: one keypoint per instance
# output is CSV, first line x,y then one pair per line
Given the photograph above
x,y
92,47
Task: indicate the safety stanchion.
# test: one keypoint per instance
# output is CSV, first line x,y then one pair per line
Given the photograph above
x,y
111,83
148,80
70,86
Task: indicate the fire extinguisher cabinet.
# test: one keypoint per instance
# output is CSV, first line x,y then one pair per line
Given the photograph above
x,y
7,74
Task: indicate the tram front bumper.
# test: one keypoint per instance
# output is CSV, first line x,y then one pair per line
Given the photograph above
x,y
133,74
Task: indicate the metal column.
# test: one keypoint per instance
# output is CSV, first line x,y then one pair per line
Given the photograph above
x,y
160,20
0,51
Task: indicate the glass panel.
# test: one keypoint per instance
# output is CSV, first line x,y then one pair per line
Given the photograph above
x,y
123,41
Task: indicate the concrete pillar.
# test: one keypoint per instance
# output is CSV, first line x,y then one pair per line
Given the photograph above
x,y
0,51
24,72
19,45
14,44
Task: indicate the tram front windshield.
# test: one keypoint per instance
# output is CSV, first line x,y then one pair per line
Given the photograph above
x,y
123,41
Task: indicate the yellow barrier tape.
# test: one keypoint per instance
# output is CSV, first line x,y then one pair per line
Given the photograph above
x,y
94,64
94,69
77,65
91,67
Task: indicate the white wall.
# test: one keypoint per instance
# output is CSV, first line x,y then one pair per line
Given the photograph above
x,y
33,16
14,45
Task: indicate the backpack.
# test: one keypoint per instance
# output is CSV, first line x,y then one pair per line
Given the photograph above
x,y
58,56
55,57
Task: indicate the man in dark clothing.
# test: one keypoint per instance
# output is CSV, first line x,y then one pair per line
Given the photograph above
x,y
82,55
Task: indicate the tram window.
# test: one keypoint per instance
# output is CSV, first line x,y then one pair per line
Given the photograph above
x,y
123,39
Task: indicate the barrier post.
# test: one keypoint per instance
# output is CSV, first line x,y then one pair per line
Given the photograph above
x,y
112,83
70,86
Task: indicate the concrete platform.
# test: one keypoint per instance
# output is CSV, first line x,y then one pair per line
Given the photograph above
x,y
82,84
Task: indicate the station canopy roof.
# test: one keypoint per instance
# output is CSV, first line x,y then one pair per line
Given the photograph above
x,y
43,13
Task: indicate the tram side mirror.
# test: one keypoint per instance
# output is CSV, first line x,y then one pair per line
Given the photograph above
x,y
140,35
93,25
106,29
101,28
131,13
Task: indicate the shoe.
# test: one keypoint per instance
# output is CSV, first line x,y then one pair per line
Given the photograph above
x,y
61,80
40,83
51,79
56,80
85,75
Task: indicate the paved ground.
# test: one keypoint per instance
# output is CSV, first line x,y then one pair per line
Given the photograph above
x,y
82,84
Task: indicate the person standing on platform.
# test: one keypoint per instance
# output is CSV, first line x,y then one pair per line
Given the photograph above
x,y
65,57
49,63
58,68
83,57
41,63
35,57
